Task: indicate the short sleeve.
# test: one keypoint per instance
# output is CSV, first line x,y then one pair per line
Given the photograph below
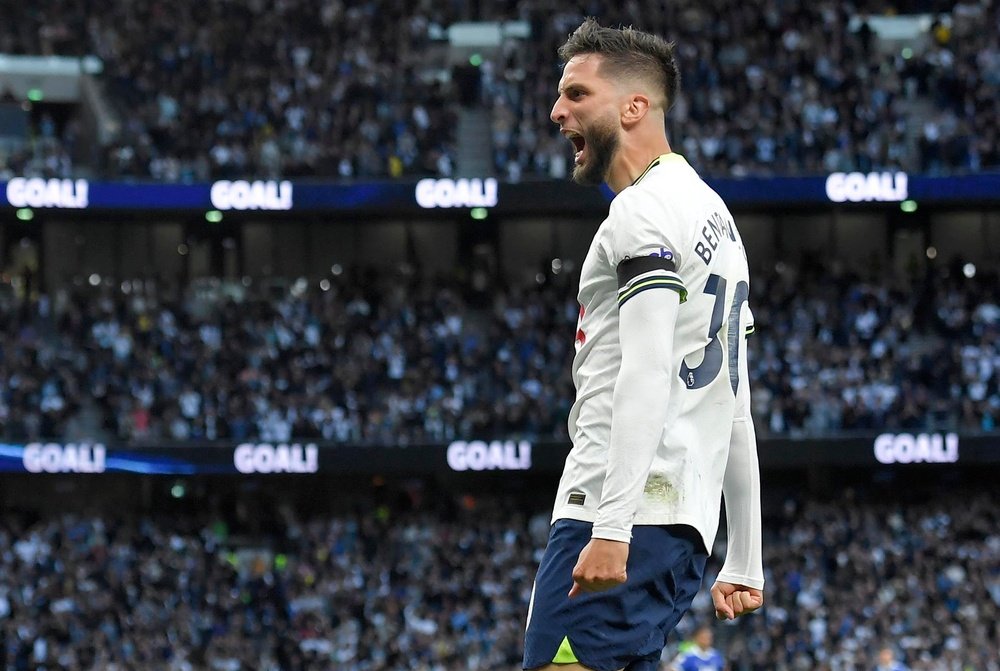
x,y
644,246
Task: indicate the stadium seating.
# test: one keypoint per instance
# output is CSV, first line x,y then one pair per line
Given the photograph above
x,y
394,588
210,571
801,88
217,90
370,362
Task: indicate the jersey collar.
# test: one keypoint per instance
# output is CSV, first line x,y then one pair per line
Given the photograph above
x,y
662,158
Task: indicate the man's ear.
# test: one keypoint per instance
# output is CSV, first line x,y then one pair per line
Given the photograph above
x,y
634,109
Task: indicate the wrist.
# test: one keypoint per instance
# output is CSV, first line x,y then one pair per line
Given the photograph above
x,y
611,534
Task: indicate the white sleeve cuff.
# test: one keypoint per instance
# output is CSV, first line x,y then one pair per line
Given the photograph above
x,y
737,579
613,534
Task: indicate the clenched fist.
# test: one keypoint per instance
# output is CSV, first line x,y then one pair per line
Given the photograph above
x,y
601,566
731,600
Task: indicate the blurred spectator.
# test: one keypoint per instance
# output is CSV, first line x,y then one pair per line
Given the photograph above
x,y
222,90
834,352
394,358
887,661
393,588
851,576
786,88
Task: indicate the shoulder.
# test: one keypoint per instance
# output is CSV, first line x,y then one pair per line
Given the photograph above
x,y
645,208
672,177
669,192
634,202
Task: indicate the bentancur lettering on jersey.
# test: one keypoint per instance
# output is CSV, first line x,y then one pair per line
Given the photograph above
x,y
717,229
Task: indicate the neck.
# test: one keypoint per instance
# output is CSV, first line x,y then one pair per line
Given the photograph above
x,y
632,158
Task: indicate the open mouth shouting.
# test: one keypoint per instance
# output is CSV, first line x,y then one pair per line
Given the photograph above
x,y
594,151
579,143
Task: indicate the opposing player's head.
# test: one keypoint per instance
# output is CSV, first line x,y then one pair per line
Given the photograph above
x,y
886,657
703,637
616,83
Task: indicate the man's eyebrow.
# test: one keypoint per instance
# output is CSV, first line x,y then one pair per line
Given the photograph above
x,y
572,86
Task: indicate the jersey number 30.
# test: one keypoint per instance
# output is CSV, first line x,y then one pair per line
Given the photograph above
x,y
710,366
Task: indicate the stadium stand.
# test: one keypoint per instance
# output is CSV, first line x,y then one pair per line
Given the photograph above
x,y
352,94
440,580
839,352
383,358
364,91
851,574
397,587
800,88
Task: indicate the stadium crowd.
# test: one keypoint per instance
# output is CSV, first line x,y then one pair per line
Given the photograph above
x,y
221,90
393,358
783,88
398,588
374,360
365,89
48,149
851,575
836,352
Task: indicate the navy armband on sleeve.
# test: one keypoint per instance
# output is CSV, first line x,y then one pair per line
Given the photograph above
x,y
629,269
647,272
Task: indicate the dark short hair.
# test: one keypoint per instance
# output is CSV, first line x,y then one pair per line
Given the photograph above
x,y
627,52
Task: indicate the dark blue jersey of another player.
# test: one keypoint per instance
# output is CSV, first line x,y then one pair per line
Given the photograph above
x,y
697,659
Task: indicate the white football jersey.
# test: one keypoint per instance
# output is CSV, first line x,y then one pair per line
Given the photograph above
x,y
669,214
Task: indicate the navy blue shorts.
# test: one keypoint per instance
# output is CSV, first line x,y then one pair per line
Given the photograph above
x,y
624,627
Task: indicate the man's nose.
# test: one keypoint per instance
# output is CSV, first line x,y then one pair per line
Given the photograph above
x,y
558,112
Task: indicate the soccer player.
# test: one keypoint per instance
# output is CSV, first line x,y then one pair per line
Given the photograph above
x,y
887,661
701,656
661,425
